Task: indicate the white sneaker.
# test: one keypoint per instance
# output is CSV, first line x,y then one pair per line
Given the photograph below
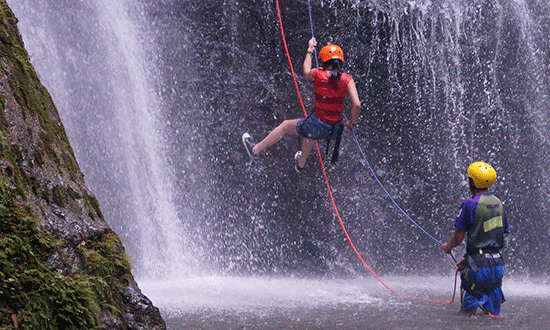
x,y
297,167
248,144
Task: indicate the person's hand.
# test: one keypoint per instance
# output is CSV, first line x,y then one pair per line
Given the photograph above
x,y
447,248
461,264
311,44
349,125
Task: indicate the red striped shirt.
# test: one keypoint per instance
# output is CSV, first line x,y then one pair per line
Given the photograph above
x,y
330,95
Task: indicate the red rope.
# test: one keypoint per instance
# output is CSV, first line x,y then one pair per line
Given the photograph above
x,y
328,184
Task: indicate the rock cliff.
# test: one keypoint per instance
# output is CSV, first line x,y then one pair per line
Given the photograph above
x,y
61,266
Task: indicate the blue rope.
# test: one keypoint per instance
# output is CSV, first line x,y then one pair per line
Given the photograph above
x,y
389,195
312,35
366,160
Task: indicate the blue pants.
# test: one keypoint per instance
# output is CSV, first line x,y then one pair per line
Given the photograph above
x,y
482,289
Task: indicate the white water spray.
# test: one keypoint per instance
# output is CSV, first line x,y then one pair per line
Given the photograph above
x,y
100,77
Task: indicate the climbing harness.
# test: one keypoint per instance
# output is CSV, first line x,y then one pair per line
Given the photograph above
x,y
326,177
336,133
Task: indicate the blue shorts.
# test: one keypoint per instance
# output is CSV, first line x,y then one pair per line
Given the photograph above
x,y
482,289
312,128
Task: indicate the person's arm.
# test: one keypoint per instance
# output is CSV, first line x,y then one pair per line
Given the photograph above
x,y
355,104
454,241
308,71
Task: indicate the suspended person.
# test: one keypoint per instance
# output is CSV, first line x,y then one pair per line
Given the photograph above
x,y
483,222
330,86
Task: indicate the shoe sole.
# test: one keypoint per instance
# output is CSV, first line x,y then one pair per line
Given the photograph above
x,y
248,151
297,156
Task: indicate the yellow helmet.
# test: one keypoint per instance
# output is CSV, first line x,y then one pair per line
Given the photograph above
x,y
483,174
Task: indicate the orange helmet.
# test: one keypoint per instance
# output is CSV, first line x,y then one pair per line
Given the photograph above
x,y
330,52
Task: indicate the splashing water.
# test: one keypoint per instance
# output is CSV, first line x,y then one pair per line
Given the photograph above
x,y
155,94
90,57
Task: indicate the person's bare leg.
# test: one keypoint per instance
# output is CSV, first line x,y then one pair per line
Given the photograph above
x,y
286,127
307,145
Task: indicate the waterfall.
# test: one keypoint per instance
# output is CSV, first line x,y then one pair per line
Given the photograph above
x,y
92,57
155,94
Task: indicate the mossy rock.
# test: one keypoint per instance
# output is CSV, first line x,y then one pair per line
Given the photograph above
x,y
33,294
61,266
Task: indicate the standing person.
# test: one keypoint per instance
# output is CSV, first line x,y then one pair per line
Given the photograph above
x,y
483,222
330,86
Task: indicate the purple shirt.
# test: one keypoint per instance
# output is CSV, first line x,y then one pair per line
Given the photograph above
x,y
467,215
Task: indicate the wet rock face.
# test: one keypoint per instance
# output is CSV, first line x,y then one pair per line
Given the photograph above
x,y
59,254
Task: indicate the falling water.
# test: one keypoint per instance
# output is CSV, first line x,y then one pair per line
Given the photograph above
x,y
155,94
90,56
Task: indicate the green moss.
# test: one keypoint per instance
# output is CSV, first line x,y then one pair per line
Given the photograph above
x,y
105,259
72,166
41,297
92,201
58,196
14,157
